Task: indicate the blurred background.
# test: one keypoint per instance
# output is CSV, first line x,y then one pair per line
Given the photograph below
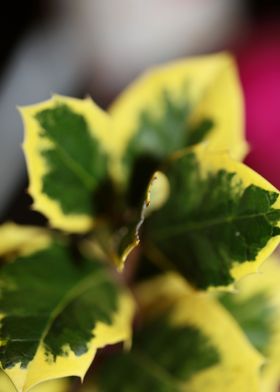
x,y
97,47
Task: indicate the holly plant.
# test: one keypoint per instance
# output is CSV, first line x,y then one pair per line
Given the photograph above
x,y
154,225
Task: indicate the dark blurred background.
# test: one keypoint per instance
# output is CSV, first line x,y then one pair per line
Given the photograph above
x,y
99,46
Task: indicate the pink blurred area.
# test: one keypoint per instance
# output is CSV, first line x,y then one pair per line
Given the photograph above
x,y
259,65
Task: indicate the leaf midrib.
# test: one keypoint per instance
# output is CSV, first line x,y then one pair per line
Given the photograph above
x,y
86,178
73,293
174,230
149,364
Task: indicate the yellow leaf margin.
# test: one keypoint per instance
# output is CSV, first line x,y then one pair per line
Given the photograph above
x,y
99,125
214,90
213,161
238,369
51,386
23,240
266,282
40,370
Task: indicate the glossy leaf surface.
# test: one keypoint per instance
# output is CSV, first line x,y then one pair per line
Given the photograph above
x,y
56,311
219,223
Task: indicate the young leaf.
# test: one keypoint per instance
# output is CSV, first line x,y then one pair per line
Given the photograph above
x,y
66,145
56,311
220,220
256,308
178,105
116,243
187,343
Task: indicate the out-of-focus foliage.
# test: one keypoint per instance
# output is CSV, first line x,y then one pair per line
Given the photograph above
x,y
256,307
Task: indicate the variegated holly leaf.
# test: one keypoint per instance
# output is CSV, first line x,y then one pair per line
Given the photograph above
x,y
66,145
187,342
178,105
56,309
219,223
256,307
50,386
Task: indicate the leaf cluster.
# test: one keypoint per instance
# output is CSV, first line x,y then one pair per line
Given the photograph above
x,y
152,221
